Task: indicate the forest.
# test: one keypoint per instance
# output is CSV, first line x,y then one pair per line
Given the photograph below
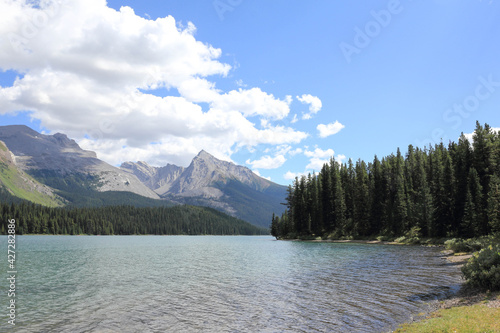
x,y
119,220
435,192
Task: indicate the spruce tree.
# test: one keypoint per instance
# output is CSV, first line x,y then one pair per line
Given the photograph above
x,y
377,195
361,200
494,204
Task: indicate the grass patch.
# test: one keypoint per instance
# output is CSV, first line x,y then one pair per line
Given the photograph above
x,y
476,318
11,180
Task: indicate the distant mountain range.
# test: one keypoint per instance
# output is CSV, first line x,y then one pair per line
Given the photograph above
x,y
54,170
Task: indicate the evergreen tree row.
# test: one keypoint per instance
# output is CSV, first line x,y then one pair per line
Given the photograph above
x,y
120,220
436,192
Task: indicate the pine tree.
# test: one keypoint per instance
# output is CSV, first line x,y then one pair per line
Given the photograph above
x,y
400,208
462,160
361,214
483,160
494,204
471,225
377,195
422,201
327,200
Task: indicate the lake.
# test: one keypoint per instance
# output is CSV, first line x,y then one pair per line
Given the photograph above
x,y
218,284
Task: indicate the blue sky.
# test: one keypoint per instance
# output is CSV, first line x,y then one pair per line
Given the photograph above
x,y
278,86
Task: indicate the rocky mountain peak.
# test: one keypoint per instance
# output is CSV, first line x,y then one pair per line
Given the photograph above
x,y
58,153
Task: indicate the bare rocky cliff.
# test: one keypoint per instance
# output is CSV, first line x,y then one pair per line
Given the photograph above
x,y
158,179
208,181
202,177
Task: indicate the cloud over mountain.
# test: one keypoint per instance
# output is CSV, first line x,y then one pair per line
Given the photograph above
x,y
94,73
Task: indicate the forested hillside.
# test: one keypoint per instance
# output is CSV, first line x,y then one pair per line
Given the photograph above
x,y
119,220
438,191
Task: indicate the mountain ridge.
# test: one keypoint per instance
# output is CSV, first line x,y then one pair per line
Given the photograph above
x,y
35,151
223,185
59,163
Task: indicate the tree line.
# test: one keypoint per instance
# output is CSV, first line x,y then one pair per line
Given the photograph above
x,y
438,191
119,220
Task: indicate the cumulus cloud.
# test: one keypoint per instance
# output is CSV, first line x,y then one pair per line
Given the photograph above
x,y
319,153
267,162
340,158
329,129
258,174
292,175
90,71
314,102
469,136
318,158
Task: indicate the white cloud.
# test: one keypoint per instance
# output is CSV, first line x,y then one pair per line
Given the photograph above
x,y
318,158
252,102
88,71
258,174
329,129
267,162
291,175
296,151
319,153
470,135
340,158
240,83
316,164
314,102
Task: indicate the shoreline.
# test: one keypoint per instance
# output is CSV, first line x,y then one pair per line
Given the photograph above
x,y
463,297
357,241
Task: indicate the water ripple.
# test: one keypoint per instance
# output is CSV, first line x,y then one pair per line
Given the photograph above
x,y
221,284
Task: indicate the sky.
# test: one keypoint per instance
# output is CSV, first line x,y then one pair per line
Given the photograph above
x,y
277,86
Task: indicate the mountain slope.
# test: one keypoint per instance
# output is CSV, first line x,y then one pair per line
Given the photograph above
x,y
21,185
57,154
208,181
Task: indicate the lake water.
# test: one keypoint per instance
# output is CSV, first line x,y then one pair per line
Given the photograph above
x,y
218,284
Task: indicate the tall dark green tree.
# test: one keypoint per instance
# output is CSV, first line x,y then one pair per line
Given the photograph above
x,y
482,160
377,196
361,200
471,224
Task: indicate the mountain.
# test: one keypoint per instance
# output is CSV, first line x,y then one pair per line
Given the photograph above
x,y
208,181
54,170
22,185
158,179
56,158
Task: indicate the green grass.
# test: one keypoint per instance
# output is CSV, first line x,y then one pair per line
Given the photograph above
x,y
13,181
476,318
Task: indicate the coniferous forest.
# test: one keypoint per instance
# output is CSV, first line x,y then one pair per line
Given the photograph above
x,y
438,191
119,220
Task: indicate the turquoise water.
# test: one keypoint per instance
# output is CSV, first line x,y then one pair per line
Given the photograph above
x,y
217,284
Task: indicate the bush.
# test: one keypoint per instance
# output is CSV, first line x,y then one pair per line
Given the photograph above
x,y
400,239
483,269
457,245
